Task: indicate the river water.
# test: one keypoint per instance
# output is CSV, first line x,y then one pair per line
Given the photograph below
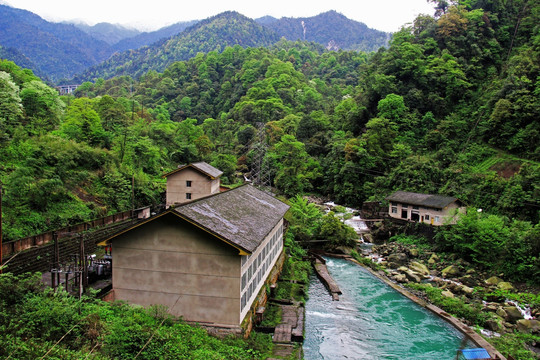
x,y
372,321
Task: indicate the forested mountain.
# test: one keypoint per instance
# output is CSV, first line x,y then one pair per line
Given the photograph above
x,y
148,38
451,107
21,60
331,29
110,33
57,50
60,51
215,33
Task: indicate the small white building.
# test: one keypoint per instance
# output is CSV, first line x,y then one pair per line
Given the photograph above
x,y
425,208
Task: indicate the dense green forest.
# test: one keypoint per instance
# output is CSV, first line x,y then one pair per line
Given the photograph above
x,y
451,107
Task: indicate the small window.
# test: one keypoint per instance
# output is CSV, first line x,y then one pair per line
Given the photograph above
x,y
426,216
404,206
436,219
188,183
188,196
416,208
394,210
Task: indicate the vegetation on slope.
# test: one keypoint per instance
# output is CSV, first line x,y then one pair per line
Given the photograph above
x,y
428,114
56,50
54,325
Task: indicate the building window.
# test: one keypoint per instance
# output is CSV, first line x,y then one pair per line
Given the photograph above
x,y
404,206
188,183
416,208
244,281
394,210
436,219
188,196
426,216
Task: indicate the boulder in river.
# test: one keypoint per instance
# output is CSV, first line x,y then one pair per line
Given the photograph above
x,y
493,280
465,290
396,260
528,326
513,314
500,311
451,270
401,278
447,293
504,285
493,325
419,268
433,259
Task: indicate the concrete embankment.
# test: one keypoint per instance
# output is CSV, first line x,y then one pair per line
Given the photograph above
x,y
322,273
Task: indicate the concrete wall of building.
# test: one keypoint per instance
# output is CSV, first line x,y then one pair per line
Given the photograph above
x,y
201,185
425,215
195,275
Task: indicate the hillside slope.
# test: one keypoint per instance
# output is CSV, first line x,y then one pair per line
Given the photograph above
x,y
330,29
57,50
215,33
148,38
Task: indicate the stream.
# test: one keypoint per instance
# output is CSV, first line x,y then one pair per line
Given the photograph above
x,y
372,321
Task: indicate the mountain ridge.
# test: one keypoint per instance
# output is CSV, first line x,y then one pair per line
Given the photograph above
x,y
57,50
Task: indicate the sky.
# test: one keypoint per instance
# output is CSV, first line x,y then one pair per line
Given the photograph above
x,y
385,15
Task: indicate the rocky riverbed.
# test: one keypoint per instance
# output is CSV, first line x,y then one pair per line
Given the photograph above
x,y
407,263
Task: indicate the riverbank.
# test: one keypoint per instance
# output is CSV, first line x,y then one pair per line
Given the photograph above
x,y
462,327
372,321
489,305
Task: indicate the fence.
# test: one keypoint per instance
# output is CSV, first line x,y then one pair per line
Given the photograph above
x,y
11,247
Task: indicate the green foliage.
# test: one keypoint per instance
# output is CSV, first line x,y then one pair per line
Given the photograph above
x,y
333,228
454,306
514,345
495,243
34,322
272,316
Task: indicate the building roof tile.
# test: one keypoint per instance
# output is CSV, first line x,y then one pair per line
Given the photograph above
x,y
243,216
427,200
200,166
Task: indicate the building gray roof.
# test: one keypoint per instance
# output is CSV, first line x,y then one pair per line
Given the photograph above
x,y
243,216
201,166
427,200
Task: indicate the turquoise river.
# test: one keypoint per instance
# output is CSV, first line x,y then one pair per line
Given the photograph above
x,y
372,321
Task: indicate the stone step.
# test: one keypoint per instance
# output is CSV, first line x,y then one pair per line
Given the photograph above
x,y
283,333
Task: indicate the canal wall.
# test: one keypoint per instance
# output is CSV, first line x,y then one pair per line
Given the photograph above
x,y
463,328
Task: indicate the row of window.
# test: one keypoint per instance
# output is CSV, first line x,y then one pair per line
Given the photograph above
x,y
259,266
414,213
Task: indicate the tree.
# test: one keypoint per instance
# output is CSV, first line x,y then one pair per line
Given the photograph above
x,y
82,123
42,105
11,109
294,167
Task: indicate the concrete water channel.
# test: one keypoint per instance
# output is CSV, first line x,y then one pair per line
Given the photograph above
x,y
371,320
